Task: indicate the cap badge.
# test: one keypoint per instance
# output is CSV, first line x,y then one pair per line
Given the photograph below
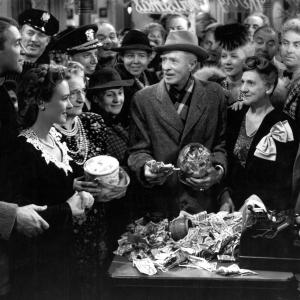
x,y
45,17
90,35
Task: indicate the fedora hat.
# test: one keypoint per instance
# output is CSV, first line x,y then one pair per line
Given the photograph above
x,y
107,78
183,40
134,40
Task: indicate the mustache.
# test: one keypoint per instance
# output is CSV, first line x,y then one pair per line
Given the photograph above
x,y
33,44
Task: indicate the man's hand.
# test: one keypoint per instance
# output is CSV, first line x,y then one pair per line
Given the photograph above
x,y
212,177
29,222
155,178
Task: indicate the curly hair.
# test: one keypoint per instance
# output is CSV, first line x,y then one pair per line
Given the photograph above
x,y
37,86
291,25
266,69
155,26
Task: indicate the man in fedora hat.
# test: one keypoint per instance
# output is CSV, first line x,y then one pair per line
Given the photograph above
x,y
136,54
171,114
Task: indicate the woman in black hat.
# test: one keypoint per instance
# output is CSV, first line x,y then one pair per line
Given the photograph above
x,y
233,39
136,55
106,91
107,94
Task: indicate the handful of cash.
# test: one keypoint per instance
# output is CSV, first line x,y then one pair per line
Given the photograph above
x,y
160,167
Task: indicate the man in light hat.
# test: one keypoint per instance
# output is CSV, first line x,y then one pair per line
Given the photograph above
x,y
167,116
38,26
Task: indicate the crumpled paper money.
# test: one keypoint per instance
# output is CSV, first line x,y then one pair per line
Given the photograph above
x,y
145,266
213,236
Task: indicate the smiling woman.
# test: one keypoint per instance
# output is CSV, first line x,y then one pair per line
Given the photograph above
x,y
261,162
40,172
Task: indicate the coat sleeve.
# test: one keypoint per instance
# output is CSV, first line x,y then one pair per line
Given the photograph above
x,y
8,213
139,140
219,148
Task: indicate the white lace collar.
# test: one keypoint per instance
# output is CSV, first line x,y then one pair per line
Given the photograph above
x,y
33,139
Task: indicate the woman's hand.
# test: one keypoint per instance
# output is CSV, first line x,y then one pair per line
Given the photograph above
x,y
79,202
75,203
87,200
91,187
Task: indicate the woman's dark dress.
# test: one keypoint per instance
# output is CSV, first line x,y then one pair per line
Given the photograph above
x,y
249,174
42,265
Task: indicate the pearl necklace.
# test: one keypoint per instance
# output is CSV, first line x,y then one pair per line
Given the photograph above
x,y
80,138
71,132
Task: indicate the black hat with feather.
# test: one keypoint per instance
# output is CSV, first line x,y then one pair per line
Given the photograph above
x,y
231,36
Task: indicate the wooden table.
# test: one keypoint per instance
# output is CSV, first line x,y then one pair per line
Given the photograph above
x,y
187,283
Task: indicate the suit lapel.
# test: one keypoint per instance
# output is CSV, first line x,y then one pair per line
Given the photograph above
x,y
197,107
167,109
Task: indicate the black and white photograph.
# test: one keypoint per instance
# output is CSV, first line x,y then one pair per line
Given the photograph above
x,y
149,149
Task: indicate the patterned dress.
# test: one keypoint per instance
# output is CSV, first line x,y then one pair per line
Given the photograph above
x,y
91,250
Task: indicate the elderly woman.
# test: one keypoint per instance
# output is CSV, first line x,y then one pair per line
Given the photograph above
x,y
262,142
235,49
86,136
41,173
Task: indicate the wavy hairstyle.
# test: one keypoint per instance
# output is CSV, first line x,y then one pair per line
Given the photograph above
x,y
266,69
37,86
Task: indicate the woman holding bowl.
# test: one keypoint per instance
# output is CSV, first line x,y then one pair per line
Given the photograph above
x,y
41,173
85,134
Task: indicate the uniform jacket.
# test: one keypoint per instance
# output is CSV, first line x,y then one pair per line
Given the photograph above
x,y
157,132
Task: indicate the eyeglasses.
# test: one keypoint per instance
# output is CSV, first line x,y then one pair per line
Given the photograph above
x,y
75,94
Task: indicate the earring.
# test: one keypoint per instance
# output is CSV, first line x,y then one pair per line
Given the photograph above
x,y
43,108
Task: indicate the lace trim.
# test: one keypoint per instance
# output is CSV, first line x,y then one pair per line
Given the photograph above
x,y
32,138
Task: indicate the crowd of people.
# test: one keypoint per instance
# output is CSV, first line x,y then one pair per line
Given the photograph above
x,y
139,96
